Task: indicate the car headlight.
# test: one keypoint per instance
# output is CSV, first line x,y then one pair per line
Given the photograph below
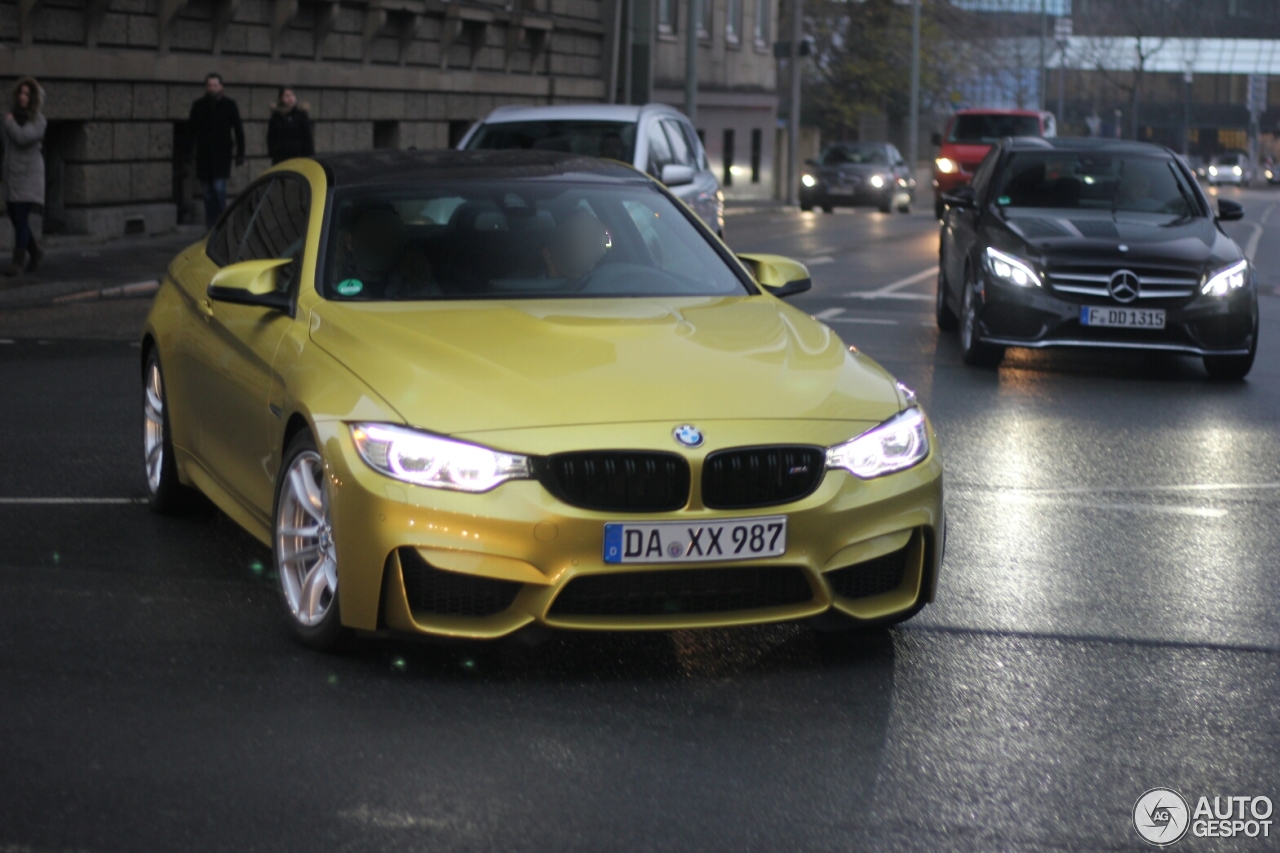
x,y
895,445
1237,170
809,180
1269,174
945,165
1228,278
1009,269
1213,170
429,460
877,181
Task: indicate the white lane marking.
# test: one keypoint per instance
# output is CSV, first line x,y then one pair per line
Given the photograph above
x,y
68,501
819,261
828,313
1251,248
1161,509
1085,490
890,290
868,320
1266,214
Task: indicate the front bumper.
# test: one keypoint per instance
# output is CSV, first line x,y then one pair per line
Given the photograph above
x,y
521,547
1041,317
864,195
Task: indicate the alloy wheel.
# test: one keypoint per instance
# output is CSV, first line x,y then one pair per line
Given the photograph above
x,y
305,554
153,426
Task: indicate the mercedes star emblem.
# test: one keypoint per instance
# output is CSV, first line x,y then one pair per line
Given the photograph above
x,y
1123,286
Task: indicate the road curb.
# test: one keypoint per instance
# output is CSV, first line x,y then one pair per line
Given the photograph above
x,y
123,291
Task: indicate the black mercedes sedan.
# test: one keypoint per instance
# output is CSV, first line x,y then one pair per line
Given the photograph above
x,y
850,174
1094,243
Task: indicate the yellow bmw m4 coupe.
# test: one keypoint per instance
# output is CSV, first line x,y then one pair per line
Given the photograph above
x,y
463,393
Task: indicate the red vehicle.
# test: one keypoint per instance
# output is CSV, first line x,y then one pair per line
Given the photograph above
x,y
970,135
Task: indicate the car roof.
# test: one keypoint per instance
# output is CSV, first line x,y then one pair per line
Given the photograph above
x,y
382,167
570,112
1084,143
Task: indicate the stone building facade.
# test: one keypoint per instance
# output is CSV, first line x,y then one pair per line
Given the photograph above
x,y
120,77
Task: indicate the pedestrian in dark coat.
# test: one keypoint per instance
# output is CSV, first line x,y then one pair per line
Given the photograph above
x,y
289,131
215,119
22,170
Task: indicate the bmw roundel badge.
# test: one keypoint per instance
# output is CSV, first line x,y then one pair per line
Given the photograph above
x,y
688,435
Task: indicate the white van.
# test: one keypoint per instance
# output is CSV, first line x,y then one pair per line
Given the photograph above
x,y
655,138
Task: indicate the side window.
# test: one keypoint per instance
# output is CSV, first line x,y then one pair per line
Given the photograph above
x,y
680,151
982,175
280,226
895,157
659,150
225,240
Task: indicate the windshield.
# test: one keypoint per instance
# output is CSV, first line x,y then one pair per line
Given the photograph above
x,y
518,240
979,129
614,140
1086,181
837,154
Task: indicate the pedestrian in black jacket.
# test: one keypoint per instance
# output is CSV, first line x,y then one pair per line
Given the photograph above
x,y
214,120
289,131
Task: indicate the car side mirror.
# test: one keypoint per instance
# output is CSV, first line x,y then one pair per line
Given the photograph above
x,y
811,162
675,175
936,140
960,197
1229,211
779,275
251,283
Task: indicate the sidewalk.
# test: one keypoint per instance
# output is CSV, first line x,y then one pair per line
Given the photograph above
x,y
63,300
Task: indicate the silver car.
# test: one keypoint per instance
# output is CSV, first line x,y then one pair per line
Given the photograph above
x,y
655,138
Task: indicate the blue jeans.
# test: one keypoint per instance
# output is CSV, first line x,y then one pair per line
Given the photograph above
x,y
20,216
215,200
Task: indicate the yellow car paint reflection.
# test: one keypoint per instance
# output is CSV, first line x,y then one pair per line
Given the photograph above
x,y
540,378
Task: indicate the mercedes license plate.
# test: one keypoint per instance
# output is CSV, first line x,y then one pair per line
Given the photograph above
x,y
1129,318
682,542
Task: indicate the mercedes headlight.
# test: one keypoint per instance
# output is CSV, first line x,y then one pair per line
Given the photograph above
x,y
1009,269
430,460
809,180
945,165
895,445
877,181
1226,279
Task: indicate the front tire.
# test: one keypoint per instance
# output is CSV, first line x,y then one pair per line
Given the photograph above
x,y
947,319
303,547
165,492
972,350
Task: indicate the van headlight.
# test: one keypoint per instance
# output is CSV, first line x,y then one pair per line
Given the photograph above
x,y
895,445
945,165
430,460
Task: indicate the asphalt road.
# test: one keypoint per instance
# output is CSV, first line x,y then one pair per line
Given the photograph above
x,y
1105,623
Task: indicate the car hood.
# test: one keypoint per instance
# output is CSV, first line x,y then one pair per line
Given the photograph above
x,y
456,367
855,169
1066,235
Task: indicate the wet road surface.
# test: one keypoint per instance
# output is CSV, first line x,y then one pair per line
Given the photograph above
x,y
1105,623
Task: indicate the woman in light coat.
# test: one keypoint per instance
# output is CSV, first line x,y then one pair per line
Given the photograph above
x,y
22,171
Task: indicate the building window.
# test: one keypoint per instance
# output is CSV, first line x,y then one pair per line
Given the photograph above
x,y
733,22
761,30
727,157
704,18
666,16
757,145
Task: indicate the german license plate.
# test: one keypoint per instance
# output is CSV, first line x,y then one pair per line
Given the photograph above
x,y
1133,318
838,190
708,542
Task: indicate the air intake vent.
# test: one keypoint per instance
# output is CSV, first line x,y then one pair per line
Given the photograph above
x,y
745,477
617,480
863,580
441,593
671,591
